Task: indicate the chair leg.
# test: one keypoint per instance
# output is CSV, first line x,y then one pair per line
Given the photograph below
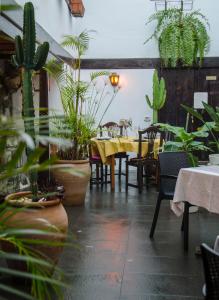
x,y
106,171
182,225
91,179
156,213
120,169
126,177
101,174
97,174
140,178
186,226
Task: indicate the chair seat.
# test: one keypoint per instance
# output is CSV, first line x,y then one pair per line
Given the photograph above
x,y
137,161
95,159
121,155
168,196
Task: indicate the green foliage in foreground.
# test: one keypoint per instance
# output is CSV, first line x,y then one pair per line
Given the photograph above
x,y
43,287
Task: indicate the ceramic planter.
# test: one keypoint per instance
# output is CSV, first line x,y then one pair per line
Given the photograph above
x,y
38,217
75,186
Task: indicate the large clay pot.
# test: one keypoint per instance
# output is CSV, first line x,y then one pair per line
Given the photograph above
x,y
38,217
75,186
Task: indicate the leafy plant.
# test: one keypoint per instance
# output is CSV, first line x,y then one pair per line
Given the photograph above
x,y
37,266
29,60
185,141
182,37
82,101
213,125
159,96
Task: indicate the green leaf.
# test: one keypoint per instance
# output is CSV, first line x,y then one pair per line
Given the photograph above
x,y
212,113
15,292
95,75
193,112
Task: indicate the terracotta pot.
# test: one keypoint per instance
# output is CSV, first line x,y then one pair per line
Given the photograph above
x,y
76,8
75,186
50,212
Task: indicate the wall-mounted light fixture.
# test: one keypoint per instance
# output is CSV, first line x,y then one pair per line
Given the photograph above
x,y
114,79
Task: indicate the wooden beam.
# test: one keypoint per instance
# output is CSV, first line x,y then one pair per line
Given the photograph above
x,y
121,63
139,63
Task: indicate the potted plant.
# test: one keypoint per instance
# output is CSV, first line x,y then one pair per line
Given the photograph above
x,y
182,37
185,141
159,96
21,241
211,126
84,104
28,60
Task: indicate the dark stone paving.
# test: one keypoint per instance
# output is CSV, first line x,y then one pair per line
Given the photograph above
x,y
116,259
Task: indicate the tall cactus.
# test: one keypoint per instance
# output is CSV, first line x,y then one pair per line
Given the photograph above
x,y
29,59
159,96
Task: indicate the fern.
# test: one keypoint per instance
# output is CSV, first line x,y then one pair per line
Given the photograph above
x,y
182,37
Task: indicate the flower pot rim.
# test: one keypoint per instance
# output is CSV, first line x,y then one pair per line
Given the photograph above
x,y
11,199
72,161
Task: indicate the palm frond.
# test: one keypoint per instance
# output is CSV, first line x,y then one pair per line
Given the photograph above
x,y
79,43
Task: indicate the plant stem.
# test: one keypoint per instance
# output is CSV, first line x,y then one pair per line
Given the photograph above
x,y
155,116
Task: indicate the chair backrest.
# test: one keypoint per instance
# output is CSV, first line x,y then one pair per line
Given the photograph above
x,y
110,126
150,134
211,270
170,164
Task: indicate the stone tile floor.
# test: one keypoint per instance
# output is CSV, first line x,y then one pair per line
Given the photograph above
x,y
116,260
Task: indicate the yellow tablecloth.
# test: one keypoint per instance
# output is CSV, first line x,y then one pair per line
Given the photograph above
x,y
106,148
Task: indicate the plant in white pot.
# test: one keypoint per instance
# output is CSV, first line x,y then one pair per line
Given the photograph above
x,y
84,104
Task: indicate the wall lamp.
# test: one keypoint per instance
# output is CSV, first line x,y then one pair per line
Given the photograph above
x,y
114,79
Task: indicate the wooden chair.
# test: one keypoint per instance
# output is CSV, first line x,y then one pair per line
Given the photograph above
x,y
109,127
95,160
144,162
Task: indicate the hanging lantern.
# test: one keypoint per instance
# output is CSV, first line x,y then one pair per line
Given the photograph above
x,y
114,79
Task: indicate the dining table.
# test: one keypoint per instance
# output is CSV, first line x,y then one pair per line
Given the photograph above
x,y
106,148
198,186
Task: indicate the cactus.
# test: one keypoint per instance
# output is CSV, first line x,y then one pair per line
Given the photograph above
x,y
29,59
159,96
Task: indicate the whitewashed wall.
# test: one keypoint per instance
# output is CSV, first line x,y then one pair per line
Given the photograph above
x,y
120,33
119,24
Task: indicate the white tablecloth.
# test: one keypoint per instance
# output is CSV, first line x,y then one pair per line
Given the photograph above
x,y
198,186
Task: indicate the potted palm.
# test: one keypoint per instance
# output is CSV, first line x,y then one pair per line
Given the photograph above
x,y
84,105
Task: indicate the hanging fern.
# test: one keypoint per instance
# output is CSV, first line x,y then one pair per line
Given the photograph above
x,y
182,37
